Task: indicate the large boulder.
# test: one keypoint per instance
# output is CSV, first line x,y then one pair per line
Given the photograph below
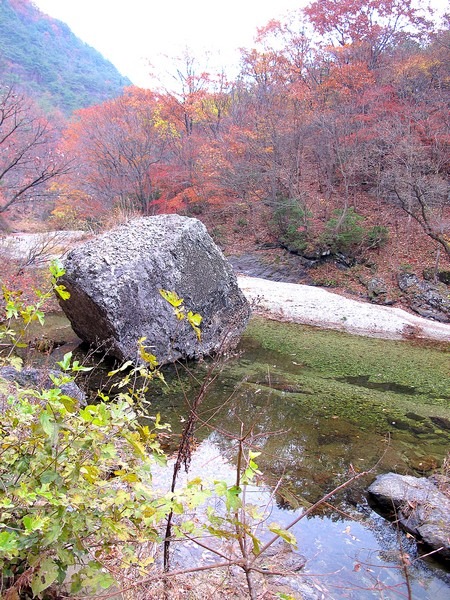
x,y
421,506
115,280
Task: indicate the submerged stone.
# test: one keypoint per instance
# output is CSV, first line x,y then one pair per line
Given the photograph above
x,y
115,281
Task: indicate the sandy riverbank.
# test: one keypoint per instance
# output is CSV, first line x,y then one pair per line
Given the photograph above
x,y
315,306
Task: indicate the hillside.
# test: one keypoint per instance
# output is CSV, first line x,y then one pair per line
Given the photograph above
x,y
41,56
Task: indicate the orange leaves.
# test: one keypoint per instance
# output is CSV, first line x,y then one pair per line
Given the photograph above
x,y
182,201
369,27
74,208
349,78
118,145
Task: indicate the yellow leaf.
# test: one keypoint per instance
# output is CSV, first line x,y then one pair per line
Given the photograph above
x,y
171,297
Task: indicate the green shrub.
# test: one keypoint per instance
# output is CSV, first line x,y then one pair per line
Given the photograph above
x,y
74,481
345,232
77,503
377,236
66,475
218,234
289,223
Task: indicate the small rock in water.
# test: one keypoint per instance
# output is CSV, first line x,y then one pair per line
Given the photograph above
x,y
419,505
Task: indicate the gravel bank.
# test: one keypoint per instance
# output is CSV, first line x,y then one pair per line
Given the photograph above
x,y
318,307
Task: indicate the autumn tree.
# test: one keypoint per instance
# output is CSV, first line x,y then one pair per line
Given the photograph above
x,y
269,119
363,30
119,146
416,170
184,107
29,158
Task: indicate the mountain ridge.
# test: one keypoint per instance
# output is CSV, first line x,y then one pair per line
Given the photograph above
x,y
42,57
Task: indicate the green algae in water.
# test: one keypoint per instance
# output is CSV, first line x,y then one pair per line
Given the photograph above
x,y
320,402
321,405
325,367
303,381
335,354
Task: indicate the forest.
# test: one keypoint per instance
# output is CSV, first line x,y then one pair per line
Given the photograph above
x,y
333,139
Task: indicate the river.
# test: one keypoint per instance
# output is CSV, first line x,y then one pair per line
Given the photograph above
x,y
323,405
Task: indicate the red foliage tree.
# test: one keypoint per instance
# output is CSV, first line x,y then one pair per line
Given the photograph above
x,y
118,146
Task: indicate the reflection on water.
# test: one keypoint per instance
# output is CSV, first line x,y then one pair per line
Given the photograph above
x,y
292,389
353,555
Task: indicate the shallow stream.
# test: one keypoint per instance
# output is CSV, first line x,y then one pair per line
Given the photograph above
x,y
323,405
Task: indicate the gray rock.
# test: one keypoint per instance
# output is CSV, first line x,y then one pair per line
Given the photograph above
x,y
115,282
40,379
376,286
419,505
444,277
378,291
429,300
276,266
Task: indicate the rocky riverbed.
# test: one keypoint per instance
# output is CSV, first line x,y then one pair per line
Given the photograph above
x,y
281,300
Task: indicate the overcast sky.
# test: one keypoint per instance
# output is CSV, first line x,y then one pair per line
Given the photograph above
x,y
131,32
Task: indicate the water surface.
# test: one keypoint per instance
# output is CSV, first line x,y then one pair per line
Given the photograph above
x,y
321,406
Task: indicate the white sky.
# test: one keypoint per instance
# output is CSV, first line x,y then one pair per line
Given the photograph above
x,y
130,33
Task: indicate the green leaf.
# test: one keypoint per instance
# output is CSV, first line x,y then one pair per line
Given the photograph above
x,y
16,361
123,367
40,316
65,362
90,473
53,534
12,310
148,357
45,576
177,508
158,425
70,404
33,522
256,543
220,487
137,445
8,543
57,268
172,298
77,367
286,535
194,320
232,498
48,477
62,291
48,425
